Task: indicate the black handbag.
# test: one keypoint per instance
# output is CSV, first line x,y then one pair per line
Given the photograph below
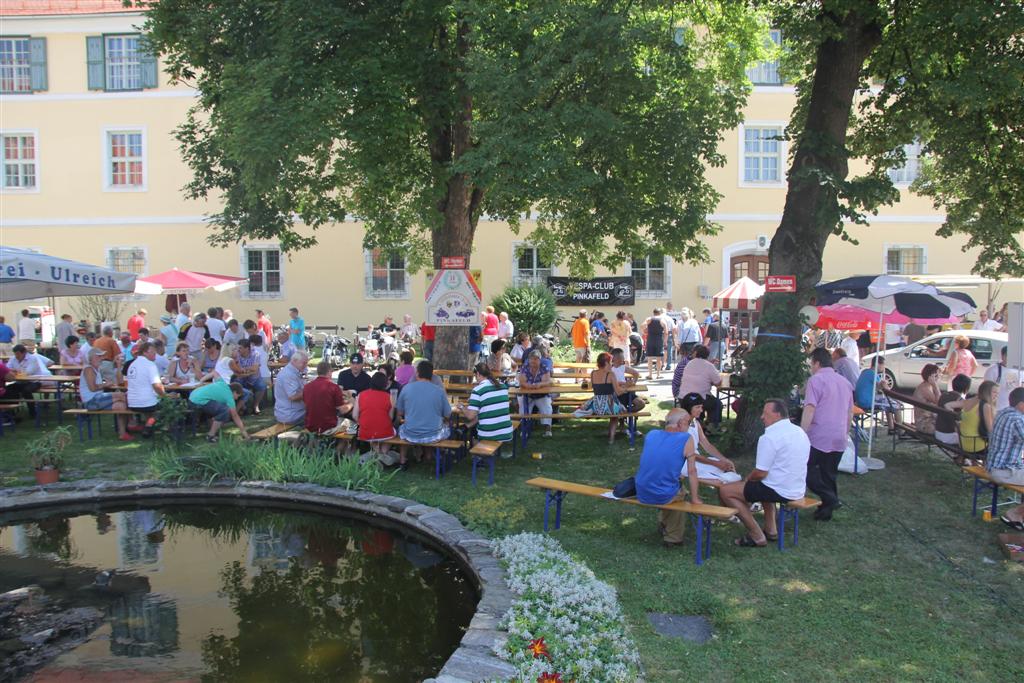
x,y
625,488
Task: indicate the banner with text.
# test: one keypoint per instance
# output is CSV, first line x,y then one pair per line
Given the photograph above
x,y
600,291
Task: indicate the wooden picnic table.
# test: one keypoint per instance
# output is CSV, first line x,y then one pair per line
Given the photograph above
x,y
47,378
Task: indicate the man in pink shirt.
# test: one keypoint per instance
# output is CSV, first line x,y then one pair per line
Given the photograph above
x,y
828,412
136,323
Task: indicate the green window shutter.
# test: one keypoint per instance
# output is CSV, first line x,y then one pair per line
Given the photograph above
x,y
147,65
95,59
37,63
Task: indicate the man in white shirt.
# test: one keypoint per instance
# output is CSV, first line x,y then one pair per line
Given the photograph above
x,y
144,385
986,323
408,331
506,329
29,364
285,343
184,315
893,336
779,475
215,325
670,318
26,328
1007,378
849,345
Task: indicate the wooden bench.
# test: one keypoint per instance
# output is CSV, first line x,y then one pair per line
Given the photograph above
x,y
983,480
526,421
6,407
83,418
442,449
556,490
271,432
485,450
790,511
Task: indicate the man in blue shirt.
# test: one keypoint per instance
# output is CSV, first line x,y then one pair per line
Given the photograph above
x,y
657,481
297,328
1005,461
6,338
476,337
866,387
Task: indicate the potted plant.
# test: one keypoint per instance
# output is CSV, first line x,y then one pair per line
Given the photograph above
x,y
46,453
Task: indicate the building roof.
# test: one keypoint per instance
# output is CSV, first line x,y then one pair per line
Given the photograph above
x,y
27,8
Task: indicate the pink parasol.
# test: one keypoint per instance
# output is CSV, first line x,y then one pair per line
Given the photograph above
x,y
848,317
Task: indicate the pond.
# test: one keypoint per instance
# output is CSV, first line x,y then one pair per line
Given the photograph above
x,y
219,592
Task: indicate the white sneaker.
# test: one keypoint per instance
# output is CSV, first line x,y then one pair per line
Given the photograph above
x,y
547,433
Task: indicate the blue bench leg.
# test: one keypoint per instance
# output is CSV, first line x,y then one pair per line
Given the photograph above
x,y
974,500
796,527
707,537
79,420
437,462
699,524
490,469
780,523
556,496
631,429
995,498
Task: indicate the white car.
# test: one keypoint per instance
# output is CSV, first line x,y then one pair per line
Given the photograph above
x,y
903,366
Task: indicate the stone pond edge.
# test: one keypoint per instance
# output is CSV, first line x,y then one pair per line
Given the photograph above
x,y
474,660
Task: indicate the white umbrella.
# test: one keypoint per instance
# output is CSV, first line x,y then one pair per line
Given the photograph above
x,y
28,274
892,294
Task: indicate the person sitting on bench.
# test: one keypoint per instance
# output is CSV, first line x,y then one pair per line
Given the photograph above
x,y
26,364
325,402
424,407
779,475
927,392
657,479
868,394
95,392
218,400
627,377
945,425
1005,462
714,465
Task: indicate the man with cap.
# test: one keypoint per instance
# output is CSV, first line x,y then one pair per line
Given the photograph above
x,y
135,323
353,378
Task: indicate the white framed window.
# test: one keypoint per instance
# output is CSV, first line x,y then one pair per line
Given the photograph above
x,y
123,62
652,275
15,65
529,268
767,72
262,265
762,154
385,276
124,159
905,259
133,260
908,172
21,161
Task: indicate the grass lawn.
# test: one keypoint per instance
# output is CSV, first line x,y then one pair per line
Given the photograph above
x,y
903,584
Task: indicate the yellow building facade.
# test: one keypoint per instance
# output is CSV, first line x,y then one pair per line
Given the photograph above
x,y
93,173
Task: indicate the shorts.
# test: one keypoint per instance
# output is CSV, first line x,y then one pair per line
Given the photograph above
x,y
1006,476
100,402
437,436
144,409
216,410
252,382
757,492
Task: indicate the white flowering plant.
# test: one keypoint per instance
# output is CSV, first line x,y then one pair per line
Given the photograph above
x,y
564,624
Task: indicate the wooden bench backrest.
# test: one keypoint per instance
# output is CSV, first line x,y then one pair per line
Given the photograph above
x,y
910,400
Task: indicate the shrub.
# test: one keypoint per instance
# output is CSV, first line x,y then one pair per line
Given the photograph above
x,y
46,451
247,461
493,515
563,619
532,309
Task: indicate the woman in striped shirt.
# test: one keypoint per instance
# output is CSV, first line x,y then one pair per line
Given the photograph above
x,y
488,406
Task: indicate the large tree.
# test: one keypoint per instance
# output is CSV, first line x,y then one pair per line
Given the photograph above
x,y
871,77
597,117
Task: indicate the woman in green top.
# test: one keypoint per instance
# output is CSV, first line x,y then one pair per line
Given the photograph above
x,y
488,406
217,401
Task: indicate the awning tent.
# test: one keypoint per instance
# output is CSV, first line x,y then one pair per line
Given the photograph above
x,y
26,275
742,295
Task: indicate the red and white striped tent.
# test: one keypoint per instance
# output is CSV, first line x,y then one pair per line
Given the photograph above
x,y
742,295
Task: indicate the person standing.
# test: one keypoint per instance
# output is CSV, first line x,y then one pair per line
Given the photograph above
x,y
778,475
580,334
1006,377
26,328
851,347
657,333
136,323
618,333
506,328
671,318
428,334
687,333
666,452
490,325
828,413
264,326
6,338
698,377
64,330
475,343
296,328
893,336
1005,461
215,324
717,337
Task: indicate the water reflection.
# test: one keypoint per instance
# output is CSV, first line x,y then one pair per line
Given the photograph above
x,y
236,594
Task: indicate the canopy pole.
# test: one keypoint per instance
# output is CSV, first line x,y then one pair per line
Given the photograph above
x,y
874,389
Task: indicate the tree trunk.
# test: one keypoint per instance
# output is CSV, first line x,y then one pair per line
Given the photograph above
x,y
459,208
812,212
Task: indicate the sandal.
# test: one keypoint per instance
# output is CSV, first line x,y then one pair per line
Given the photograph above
x,y
771,537
748,542
1019,526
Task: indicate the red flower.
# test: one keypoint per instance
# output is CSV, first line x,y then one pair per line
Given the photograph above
x,y
539,648
549,678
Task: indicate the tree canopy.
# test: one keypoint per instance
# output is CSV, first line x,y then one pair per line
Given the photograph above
x,y
597,117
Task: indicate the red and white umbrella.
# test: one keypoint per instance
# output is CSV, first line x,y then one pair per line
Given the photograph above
x,y
742,295
175,281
